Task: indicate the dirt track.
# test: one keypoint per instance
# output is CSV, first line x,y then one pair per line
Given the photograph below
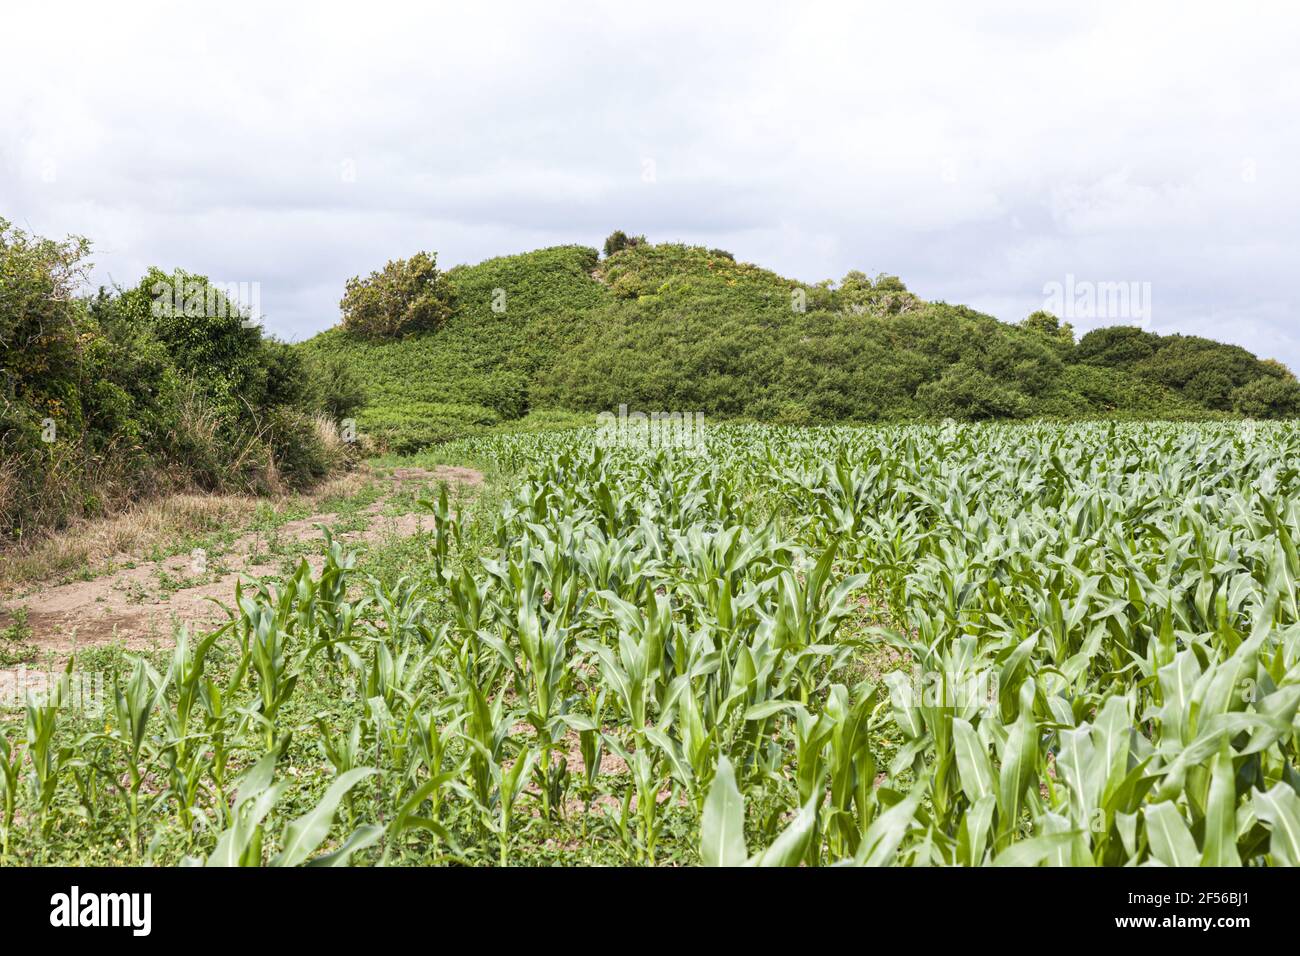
x,y
129,606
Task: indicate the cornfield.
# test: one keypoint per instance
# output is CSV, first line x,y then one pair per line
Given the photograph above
x,y
914,645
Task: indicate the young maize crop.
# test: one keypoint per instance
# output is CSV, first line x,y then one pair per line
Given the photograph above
x,y
961,645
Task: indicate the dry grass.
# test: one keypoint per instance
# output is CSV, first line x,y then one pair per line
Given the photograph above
x,y
142,527
88,543
9,483
331,441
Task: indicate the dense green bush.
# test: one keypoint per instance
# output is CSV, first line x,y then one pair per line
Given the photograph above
x,y
965,392
1206,373
205,335
299,449
1268,398
339,393
629,286
138,391
504,391
41,331
1117,346
1060,335
407,295
885,295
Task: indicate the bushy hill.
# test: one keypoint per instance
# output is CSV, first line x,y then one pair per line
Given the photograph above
x,y
478,369
670,327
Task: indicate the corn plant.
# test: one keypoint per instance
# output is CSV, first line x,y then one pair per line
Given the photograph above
x,y
11,760
241,844
446,530
722,829
132,708
270,662
184,751
44,754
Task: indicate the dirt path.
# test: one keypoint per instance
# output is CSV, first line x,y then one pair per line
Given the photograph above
x,y
131,607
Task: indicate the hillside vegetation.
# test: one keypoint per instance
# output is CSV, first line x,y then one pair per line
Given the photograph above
x,y
478,368
670,327
133,392
164,385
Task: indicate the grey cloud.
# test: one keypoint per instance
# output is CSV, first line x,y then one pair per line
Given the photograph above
x,y
976,153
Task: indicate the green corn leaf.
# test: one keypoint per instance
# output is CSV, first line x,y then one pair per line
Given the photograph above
x,y
1220,840
1280,809
973,765
1019,758
881,841
722,826
791,846
1171,842
1035,850
361,838
304,835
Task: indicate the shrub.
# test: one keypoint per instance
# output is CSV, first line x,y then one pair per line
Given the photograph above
x,y
42,336
301,449
886,295
1046,324
618,240
40,317
140,391
1268,398
964,392
505,392
203,332
628,286
407,295
339,394
192,433
1117,346
790,413
1212,388
764,410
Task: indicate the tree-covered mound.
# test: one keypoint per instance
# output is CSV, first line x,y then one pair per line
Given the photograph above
x,y
670,327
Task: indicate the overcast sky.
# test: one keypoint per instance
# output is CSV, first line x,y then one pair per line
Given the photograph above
x,y
980,151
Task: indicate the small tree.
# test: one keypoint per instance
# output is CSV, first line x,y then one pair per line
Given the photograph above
x,y
41,320
619,240
886,295
1117,346
408,295
1045,323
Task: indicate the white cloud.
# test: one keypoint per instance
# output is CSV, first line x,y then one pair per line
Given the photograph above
x,y
978,151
